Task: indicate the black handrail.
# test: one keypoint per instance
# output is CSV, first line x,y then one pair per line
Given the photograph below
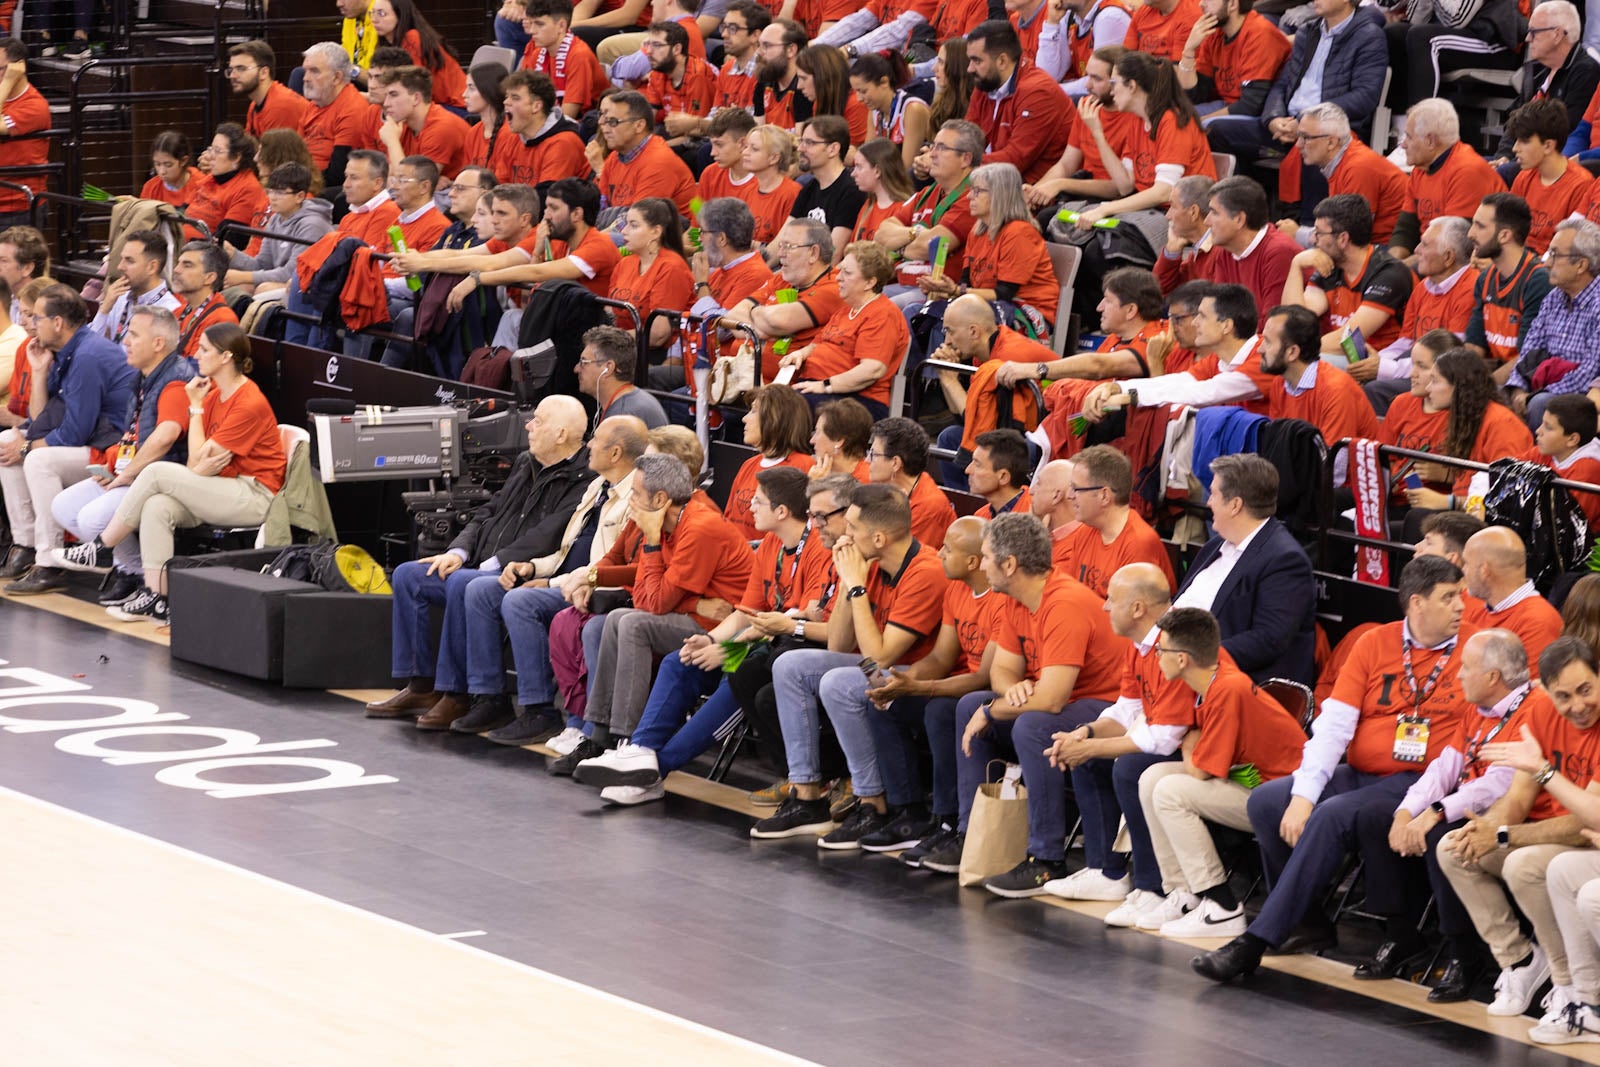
x,y
119,66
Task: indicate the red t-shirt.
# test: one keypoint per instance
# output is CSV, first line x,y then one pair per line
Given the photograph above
x,y
1240,724
1184,147
1336,405
655,171
238,198
878,332
770,209
1532,619
694,96
912,599
548,159
737,510
444,139
924,208
1070,629
1374,681
820,299
735,87
974,620
596,258
1502,433
282,109
1085,556
1256,53
1454,184
156,189
1017,254
1427,310
449,81
668,284
578,75
1162,35
1554,202
730,285
27,112
1571,750
245,425
1123,129
342,122
777,577
931,511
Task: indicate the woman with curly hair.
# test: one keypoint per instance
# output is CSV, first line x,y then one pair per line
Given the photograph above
x,y
1479,428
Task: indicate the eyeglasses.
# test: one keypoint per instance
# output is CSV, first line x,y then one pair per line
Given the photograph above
x,y
733,27
236,69
873,454
811,142
401,179
463,187
1303,136
651,46
591,362
936,147
976,189
1323,233
1171,651
1074,490
1552,254
1533,32
1178,316
784,248
612,124
826,516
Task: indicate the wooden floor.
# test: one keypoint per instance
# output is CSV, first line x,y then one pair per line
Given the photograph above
x,y
132,951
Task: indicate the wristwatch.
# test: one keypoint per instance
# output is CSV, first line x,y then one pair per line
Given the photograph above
x,y
800,629
855,591
1437,807
477,277
1547,772
1502,837
1040,369
827,385
594,575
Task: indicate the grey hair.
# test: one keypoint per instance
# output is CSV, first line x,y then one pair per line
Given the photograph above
x,y
969,137
1585,240
1453,233
1565,15
333,54
1023,538
163,323
1437,117
817,233
839,486
731,217
661,473
1006,203
1192,191
1332,118
1503,651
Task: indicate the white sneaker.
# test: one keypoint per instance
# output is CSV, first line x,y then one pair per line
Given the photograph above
x,y
1089,884
1514,989
1209,919
1126,914
1555,1003
633,794
563,743
627,764
1577,1024
1172,906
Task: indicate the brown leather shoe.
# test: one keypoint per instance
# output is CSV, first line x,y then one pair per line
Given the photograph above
x,y
449,708
405,704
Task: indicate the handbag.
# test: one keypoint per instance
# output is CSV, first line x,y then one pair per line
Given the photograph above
x,y
732,376
997,829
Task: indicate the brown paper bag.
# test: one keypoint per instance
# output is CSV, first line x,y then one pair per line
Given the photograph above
x,y
997,831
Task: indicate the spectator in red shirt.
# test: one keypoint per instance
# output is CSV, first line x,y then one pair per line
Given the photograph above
x,y
941,212
861,347
416,126
22,111
727,270
555,50
174,178
400,25
231,192
824,79
679,84
1025,117
878,81
1231,58
640,164
335,123
273,105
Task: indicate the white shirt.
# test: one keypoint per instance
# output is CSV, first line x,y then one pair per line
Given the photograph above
x,y
1129,711
1206,584
1184,389
114,323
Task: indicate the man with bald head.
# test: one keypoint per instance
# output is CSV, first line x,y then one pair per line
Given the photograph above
x,y
1144,727
1499,593
927,692
525,520
972,336
1053,505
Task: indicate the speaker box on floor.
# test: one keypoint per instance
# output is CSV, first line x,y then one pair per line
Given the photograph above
x,y
337,641
230,619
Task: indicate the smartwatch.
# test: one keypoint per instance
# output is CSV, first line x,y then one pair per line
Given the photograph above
x,y
1437,807
800,629
1502,837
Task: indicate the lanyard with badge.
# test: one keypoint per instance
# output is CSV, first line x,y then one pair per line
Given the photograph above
x,y
1411,731
130,439
777,570
1475,746
127,310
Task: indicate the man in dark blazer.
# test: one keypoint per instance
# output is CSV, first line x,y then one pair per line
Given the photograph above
x,y
1254,576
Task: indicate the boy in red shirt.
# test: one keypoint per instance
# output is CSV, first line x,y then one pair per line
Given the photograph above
x,y
1553,185
415,126
559,53
1565,441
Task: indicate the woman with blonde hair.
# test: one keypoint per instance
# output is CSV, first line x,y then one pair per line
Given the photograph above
x,y
769,156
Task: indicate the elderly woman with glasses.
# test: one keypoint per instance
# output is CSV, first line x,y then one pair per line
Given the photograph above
x,y
858,351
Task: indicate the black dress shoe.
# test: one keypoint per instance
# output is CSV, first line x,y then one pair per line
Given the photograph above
x,y
489,711
38,580
587,749
17,562
1393,959
532,725
1238,957
1313,936
1455,985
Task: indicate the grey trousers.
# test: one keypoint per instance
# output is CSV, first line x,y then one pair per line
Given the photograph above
x,y
623,672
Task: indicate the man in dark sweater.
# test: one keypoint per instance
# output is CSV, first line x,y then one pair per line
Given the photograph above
x,y
526,520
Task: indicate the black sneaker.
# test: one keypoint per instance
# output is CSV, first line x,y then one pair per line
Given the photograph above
x,y
861,822
88,556
145,604
587,749
946,859
38,580
942,836
121,587
905,828
531,726
489,711
795,818
1026,879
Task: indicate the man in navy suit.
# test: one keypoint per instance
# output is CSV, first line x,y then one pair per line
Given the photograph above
x,y
1254,576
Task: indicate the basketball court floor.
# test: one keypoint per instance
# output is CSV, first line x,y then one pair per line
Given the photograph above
x,y
199,869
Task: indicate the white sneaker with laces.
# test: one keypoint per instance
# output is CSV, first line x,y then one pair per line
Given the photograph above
x,y
627,764
1126,915
633,794
563,743
1514,989
1577,1024
1208,919
1555,1003
1089,884
1173,906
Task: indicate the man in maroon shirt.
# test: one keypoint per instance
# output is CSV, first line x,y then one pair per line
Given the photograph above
x,y
1025,117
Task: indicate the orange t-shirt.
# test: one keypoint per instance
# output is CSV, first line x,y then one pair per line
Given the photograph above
x,y
1186,147
737,510
974,618
1408,425
668,284
1374,681
1454,184
1070,629
28,112
1532,619
282,109
694,96
245,425
237,198
1124,130
370,227
1372,177
445,139
956,217
931,511
1571,751
1162,35
656,170
912,599
156,189
1017,255
730,285
820,299
1086,557
770,209
421,234
703,557
596,258
549,159
878,332
342,122
1427,310
578,79
777,577
1336,405
1554,202
1256,53
1240,724
449,81
1501,434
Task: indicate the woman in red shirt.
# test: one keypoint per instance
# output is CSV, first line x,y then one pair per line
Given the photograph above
x,y
484,98
1480,428
236,465
768,156
778,425
231,192
859,349
653,273
174,178
824,77
881,174
878,80
1007,260
400,25
1412,420
841,438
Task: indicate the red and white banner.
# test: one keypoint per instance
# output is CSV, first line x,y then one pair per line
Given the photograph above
x,y
1372,517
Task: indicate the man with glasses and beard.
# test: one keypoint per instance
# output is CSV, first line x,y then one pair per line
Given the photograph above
x,y
832,198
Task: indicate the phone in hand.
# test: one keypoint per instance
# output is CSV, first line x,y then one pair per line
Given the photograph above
x,y
98,470
1413,480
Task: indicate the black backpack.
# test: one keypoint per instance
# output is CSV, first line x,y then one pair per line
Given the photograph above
x,y
335,567
1545,516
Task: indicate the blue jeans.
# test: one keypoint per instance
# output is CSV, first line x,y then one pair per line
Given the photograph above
x,y
954,475
508,34
1298,876
871,738
302,333
667,728
939,720
1108,790
796,681
526,613
480,640
1026,737
415,591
